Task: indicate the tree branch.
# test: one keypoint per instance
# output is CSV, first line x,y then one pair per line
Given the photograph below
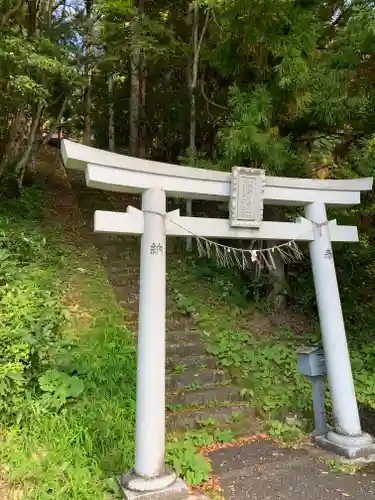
x,y
203,30
212,102
310,138
198,45
217,23
56,122
21,164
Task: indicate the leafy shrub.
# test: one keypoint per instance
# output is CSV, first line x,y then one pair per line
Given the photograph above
x,y
59,387
182,454
284,431
30,310
267,370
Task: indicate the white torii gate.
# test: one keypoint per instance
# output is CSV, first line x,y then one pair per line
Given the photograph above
x,y
247,190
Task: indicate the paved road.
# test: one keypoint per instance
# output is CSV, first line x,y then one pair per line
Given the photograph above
x,y
262,471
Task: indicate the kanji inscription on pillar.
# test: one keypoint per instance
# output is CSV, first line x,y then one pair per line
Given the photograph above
x,y
246,204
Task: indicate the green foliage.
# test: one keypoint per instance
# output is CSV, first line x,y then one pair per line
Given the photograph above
x,y
78,410
180,368
363,359
284,431
250,137
59,387
343,467
230,284
267,371
187,462
280,86
31,315
182,453
185,304
38,76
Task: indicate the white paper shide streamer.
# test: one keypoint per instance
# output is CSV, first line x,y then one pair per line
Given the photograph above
x,y
227,256
263,258
244,258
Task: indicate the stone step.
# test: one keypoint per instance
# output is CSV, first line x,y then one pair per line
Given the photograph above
x,y
128,265
185,348
201,361
176,336
105,240
192,419
171,324
120,257
131,306
122,279
178,381
127,291
178,324
204,396
122,199
119,251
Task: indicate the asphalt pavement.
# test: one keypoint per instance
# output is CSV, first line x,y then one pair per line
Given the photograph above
x,y
265,471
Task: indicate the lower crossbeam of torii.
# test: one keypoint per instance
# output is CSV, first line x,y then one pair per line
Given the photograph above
x,y
246,190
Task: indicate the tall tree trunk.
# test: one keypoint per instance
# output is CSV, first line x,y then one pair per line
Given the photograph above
x,y
87,113
111,115
32,139
192,74
278,275
193,81
30,169
16,138
134,103
142,108
278,279
137,69
88,70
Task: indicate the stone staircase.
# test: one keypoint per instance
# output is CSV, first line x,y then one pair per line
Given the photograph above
x,y
197,390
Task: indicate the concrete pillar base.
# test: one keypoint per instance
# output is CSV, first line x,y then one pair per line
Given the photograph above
x,y
166,487
347,446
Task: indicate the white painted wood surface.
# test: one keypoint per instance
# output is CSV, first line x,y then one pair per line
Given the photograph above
x,y
114,172
130,181
150,414
336,352
302,230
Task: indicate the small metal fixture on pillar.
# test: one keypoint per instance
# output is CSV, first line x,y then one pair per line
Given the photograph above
x,y
311,364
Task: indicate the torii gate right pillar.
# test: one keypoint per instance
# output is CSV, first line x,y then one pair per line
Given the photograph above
x,y
347,439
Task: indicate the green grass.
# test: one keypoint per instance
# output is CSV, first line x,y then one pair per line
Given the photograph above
x,y
69,452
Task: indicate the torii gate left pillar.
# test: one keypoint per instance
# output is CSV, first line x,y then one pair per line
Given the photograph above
x,y
150,477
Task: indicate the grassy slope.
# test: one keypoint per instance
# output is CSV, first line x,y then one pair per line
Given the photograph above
x,y
66,454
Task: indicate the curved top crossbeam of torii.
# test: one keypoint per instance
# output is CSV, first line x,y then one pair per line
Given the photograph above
x,y
115,172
